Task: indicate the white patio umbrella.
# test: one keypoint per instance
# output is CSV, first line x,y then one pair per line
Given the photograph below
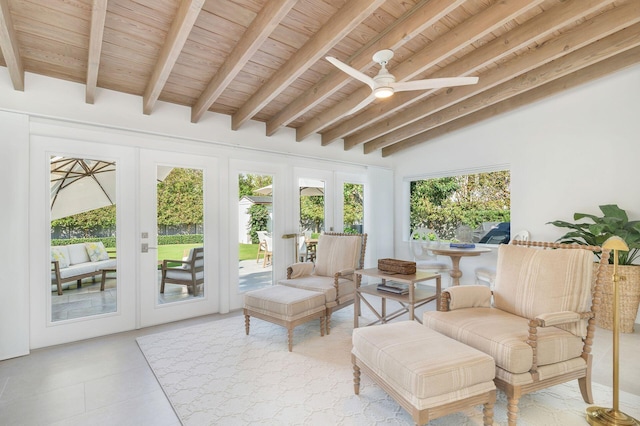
x,y
79,185
307,187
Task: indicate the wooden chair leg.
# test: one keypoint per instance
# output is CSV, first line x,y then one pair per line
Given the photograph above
x,y
356,379
290,337
323,325
585,389
487,411
247,321
328,321
512,411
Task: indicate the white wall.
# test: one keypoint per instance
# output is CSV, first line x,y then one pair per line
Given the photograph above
x,y
14,251
568,153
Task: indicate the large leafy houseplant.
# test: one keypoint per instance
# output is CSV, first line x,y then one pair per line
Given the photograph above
x,y
614,222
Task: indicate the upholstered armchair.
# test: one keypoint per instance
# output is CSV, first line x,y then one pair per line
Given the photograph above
x,y
337,258
190,272
538,322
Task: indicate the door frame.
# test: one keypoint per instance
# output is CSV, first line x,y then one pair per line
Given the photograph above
x,y
151,312
281,198
43,331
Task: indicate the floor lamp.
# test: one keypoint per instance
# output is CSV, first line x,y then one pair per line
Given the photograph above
x,y
613,416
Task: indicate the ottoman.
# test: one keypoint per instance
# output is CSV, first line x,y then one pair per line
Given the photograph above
x,y
285,306
428,374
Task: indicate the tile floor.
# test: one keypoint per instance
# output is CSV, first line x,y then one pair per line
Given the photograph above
x,y
106,380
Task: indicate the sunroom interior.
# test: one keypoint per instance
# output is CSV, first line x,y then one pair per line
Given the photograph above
x,y
232,87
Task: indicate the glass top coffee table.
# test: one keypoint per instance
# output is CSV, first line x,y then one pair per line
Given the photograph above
x,y
415,298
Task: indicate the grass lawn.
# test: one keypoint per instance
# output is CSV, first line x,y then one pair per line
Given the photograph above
x,y
178,251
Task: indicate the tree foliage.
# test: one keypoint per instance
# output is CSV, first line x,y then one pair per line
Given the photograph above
x,y
353,205
443,204
249,183
259,217
88,222
312,212
181,199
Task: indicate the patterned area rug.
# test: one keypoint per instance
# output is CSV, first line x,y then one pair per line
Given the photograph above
x,y
214,374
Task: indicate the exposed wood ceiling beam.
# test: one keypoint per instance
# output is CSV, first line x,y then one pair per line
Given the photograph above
x,y
410,121
9,46
341,24
576,78
98,16
177,36
497,49
423,15
449,44
601,50
263,24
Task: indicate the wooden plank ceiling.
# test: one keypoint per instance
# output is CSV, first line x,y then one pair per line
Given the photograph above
x,y
265,60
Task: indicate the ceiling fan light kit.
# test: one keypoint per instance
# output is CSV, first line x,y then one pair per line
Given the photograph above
x,y
382,92
384,84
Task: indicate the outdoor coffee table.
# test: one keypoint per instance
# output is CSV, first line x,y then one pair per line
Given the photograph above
x,y
104,276
408,302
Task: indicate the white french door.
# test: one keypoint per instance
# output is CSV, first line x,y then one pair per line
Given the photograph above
x,y
82,310
184,220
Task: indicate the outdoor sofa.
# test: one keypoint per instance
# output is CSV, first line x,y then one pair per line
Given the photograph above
x,y
74,262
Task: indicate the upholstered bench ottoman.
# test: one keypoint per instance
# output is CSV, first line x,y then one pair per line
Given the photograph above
x,y
428,374
285,306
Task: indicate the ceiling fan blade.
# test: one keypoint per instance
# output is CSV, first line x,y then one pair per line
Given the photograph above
x,y
351,71
362,104
433,83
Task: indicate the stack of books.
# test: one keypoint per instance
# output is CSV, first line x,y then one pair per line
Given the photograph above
x,y
462,245
393,287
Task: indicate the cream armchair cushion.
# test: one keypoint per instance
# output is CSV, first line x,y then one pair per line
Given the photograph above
x,y
301,269
469,296
534,282
336,254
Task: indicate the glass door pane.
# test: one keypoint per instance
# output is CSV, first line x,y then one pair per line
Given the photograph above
x,y
255,231
353,208
312,211
83,237
180,227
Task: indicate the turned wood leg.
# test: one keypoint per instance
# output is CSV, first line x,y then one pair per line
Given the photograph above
x,y
356,379
487,411
323,325
290,337
328,321
512,411
246,323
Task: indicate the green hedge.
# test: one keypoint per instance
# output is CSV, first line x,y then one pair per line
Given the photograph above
x,y
107,241
180,239
111,241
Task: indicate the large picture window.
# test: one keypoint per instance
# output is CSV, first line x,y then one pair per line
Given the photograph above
x,y
480,201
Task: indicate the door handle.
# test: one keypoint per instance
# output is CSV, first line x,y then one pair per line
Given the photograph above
x,y
145,248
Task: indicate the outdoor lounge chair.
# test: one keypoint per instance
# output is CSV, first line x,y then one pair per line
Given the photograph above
x,y
264,247
337,258
190,272
541,324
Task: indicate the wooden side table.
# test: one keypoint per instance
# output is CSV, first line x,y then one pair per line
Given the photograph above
x,y
456,254
414,299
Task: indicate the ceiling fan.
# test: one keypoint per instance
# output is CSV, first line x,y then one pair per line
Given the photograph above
x,y
384,84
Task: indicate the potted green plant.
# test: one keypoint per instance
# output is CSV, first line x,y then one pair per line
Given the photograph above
x,y
613,222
